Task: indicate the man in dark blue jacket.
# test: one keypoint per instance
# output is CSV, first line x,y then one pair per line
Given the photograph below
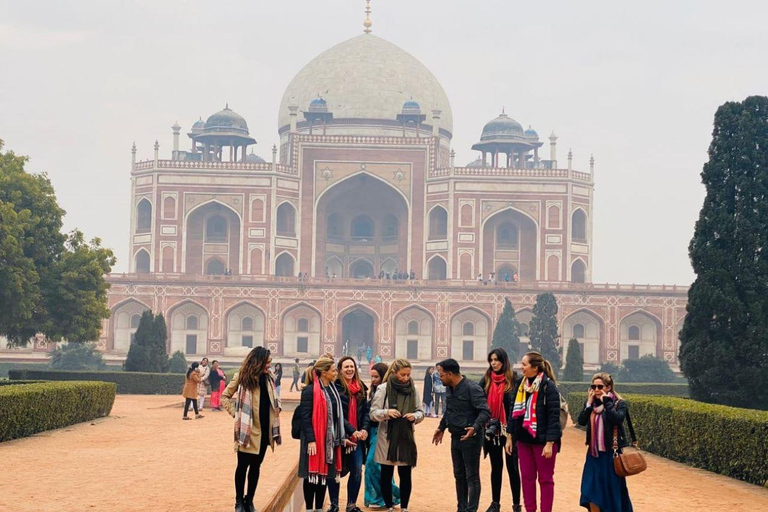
x,y
466,413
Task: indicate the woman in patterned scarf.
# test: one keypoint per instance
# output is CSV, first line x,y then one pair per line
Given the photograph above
x,y
536,426
323,436
251,399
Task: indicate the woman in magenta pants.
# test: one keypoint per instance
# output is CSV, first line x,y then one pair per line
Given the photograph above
x,y
536,424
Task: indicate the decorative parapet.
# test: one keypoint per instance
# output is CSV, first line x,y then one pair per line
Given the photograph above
x,y
213,166
512,173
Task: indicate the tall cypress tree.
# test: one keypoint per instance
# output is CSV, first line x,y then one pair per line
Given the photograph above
x,y
724,340
544,333
505,335
148,352
574,362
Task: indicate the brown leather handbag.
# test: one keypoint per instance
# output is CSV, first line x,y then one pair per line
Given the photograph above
x,y
630,460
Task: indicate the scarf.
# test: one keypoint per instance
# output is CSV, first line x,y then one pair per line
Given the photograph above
x,y
243,417
402,445
354,390
597,425
527,408
326,434
496,397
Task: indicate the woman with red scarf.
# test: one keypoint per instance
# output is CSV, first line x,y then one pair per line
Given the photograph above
x,y
356,422
322,432
499,385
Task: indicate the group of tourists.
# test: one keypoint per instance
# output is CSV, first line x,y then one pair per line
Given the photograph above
x,y
343,425
202,380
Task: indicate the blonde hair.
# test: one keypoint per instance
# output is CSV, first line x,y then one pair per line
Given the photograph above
x,y
607,379
396,366
323,364
537,361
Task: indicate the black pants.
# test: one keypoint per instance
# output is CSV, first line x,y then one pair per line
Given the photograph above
x,y
314,493
188,401
244,462
295,383
387,472
466,470
499,457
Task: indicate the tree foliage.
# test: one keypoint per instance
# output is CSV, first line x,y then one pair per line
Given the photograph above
x,y
76,357
505,335
544,336
148,348
648,368
574,362
178,362
49,282
724,340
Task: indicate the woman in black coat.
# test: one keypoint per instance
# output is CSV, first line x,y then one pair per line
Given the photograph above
x,y
427,396
538,442
602,490
499,384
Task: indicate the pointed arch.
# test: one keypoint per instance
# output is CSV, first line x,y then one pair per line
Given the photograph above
x,y
414,333
526,259
285,264
286,219
438,223
122,328
143,216
437,268
648,328
142,262
579,225
188,337
470,347
245,324
578,271
194,246
592,337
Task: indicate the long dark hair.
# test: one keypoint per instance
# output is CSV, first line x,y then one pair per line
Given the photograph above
x,y
381,369
192,368
506,369
343,381
253,367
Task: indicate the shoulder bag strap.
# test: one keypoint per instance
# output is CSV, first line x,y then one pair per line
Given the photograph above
x,y
631,429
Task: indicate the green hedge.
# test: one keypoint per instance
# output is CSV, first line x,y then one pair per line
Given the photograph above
x,y
634,388
726,440
128,383
31,408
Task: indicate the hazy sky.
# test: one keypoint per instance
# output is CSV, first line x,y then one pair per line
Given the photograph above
x,y
635,83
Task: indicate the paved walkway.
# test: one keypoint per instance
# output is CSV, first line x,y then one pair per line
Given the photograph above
x,y
144,458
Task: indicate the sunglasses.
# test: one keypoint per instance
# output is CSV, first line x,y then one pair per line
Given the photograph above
x,y
597,386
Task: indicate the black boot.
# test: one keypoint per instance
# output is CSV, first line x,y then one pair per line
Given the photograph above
x,y
517,508
333,508
495,507
248,504
239,505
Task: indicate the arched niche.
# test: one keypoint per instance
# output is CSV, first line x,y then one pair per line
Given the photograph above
x,y
301,332
286,220
414,334
245,330
143,216
437,269
189,328
639,335
517,247
470,347
587,328
285,265
212,231
579,226
125,320
578,272
438,223
142,262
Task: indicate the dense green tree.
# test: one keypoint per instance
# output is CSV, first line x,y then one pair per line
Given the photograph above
x,y
724,340
505,335
77,356
49,282
148,350
610,369
648,368
178,362
544,333
574,362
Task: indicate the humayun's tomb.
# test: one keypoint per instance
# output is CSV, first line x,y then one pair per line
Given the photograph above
x,y
363,186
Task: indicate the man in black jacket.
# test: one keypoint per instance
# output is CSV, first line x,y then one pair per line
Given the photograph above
x,y
466,413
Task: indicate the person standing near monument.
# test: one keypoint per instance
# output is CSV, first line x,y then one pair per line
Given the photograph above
x,y
202,388
466,414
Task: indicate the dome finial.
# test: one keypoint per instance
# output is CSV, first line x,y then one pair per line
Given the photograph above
x,y
367,23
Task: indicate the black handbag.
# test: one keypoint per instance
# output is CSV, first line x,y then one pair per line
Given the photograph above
x,y
296,423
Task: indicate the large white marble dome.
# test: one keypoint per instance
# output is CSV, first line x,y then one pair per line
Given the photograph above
x,y
367,78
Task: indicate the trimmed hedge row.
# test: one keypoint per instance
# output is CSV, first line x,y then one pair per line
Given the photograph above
x,y
32,408
722,439
634,388
128,383
17,382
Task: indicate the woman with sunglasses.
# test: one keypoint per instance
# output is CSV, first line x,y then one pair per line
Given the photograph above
x,y
602,490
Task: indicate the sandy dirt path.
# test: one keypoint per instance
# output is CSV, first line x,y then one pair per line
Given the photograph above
x,y
141,458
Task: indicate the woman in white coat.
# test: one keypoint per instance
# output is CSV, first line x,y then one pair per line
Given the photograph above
x,y
397,408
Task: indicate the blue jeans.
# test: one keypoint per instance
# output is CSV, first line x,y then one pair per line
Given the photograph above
x,y
355,461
